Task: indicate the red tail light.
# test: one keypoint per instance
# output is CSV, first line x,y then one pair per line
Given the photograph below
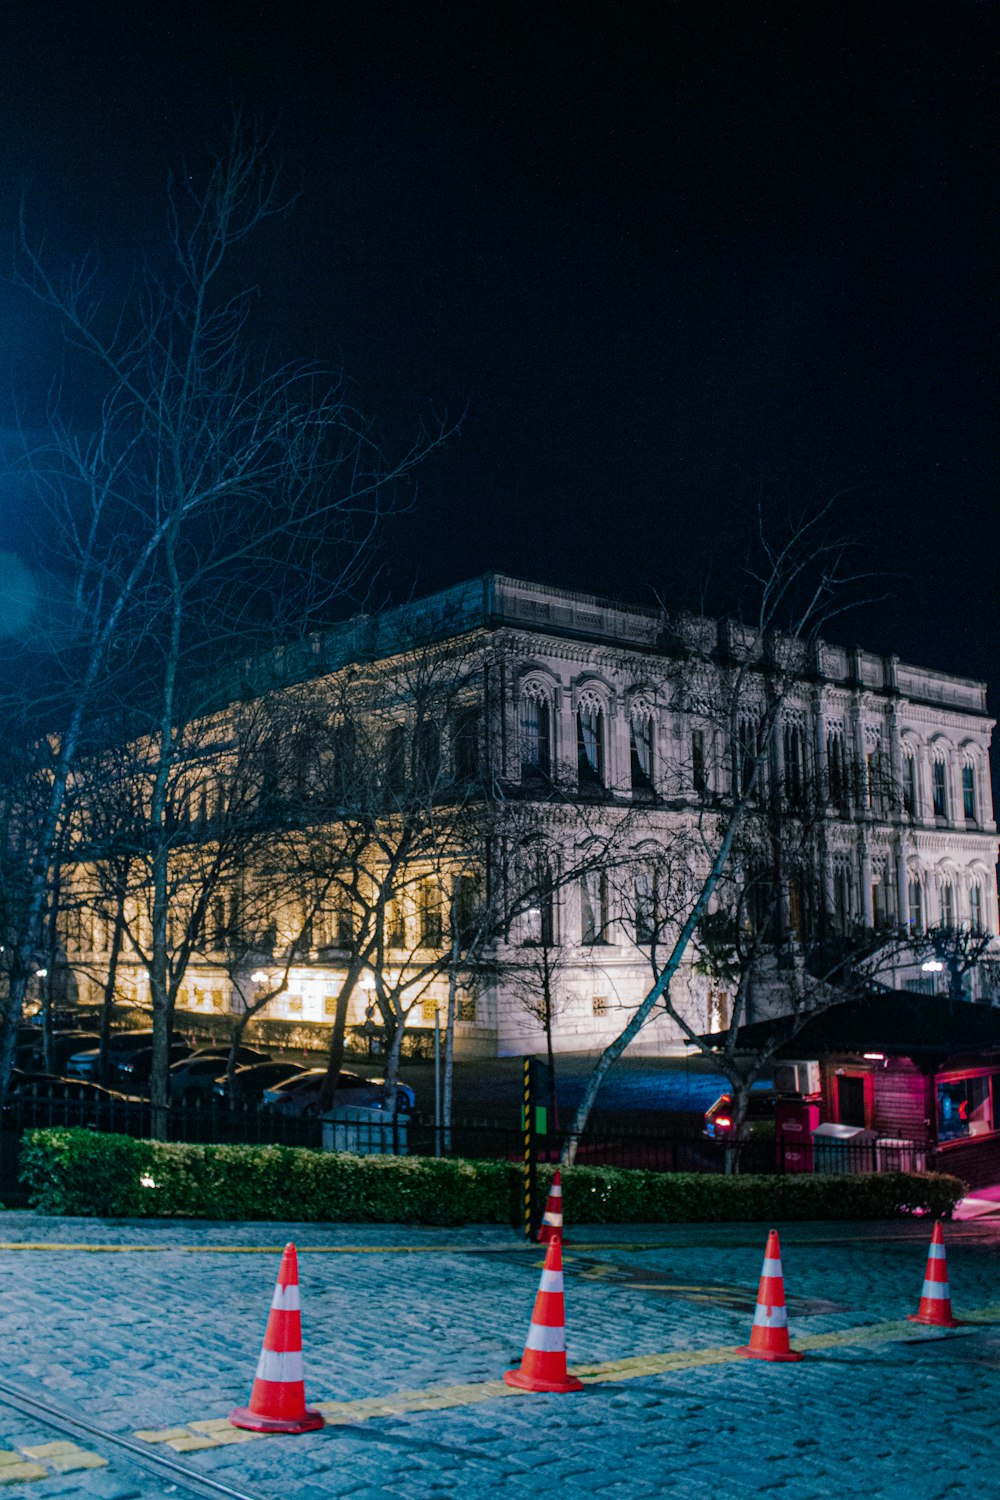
x,y
723,1123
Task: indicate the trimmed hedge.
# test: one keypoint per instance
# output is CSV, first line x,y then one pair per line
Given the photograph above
x,y
81,1172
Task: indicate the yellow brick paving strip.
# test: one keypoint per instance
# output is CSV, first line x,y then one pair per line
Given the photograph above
x,y
313,1249
210,1434
56,1458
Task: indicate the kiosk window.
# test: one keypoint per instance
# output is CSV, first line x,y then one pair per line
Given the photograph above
x,y
965,1107
850,1099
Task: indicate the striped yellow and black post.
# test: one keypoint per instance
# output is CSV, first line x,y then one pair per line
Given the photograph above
x,y
528,1210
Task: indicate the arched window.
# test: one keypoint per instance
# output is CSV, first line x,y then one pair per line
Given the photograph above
x,y
794,748
640,734
465,745
969,790
909,783
593,907
947,904
749,752
534,723
939,785
916,905
427,754
836,765
590,742
976,908
394,765
842,905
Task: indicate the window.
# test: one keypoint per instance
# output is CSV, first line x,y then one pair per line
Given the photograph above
x,y
976,907
394,924
536,924
916,906
793,745
645,906
593,907
429,1011
718,1010
851,1099
599,1005
641,752
343,922
590,745
964,1107
429,913
883,905
394,767
836,762
329,1007
910,785
969,790
535,736
940,786
842,896
465,745
466,908
699,773
427,754
748,751
345,758
465,1007
947,904
800,921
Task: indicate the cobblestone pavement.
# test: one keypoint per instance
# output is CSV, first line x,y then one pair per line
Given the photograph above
x,y
155,1328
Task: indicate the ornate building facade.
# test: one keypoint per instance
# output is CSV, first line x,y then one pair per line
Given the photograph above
x,y
599,714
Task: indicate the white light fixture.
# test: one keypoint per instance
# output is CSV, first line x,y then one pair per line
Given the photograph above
x,y
41,973
932,966
258,977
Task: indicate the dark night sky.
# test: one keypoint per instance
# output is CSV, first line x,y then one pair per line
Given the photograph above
x,y
668,258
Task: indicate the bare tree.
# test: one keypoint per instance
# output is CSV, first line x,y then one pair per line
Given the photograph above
x,y
219,498
799,585
958,950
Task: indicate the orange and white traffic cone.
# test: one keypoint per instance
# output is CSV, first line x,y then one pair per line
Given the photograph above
x,y
278,1398
543,1364
935,1299
769,1335
552,1219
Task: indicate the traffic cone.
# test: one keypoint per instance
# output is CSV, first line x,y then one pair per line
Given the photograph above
x,y
278,1398
935,1299
552,1219
543,1364
769,1335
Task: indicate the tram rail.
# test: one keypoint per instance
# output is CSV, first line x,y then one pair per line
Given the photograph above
x,y
152,1462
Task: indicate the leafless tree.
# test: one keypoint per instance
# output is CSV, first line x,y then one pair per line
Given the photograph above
x,y
217,498
797,587
959,950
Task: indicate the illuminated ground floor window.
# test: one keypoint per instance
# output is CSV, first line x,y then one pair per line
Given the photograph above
x,y
965,1107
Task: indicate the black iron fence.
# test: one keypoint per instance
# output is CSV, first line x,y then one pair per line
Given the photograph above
x,y
611,1141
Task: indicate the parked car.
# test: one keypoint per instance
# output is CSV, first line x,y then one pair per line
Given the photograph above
x,y
193,1078
133,1069
43,1099
250,1082
300,1095
759,1116
84,1064
64,1044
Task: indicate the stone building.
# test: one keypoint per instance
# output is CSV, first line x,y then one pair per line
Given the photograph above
x,y
590,711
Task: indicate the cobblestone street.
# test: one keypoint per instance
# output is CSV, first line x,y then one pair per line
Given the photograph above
x,y
151,1331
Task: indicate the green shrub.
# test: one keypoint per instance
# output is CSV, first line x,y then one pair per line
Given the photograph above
x,y
82,1172
606,1195
111,1176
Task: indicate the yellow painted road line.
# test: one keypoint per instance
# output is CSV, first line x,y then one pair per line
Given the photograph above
x,y
216,1430
93,1249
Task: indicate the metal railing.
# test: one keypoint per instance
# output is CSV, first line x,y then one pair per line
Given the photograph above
x,y
609,1141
